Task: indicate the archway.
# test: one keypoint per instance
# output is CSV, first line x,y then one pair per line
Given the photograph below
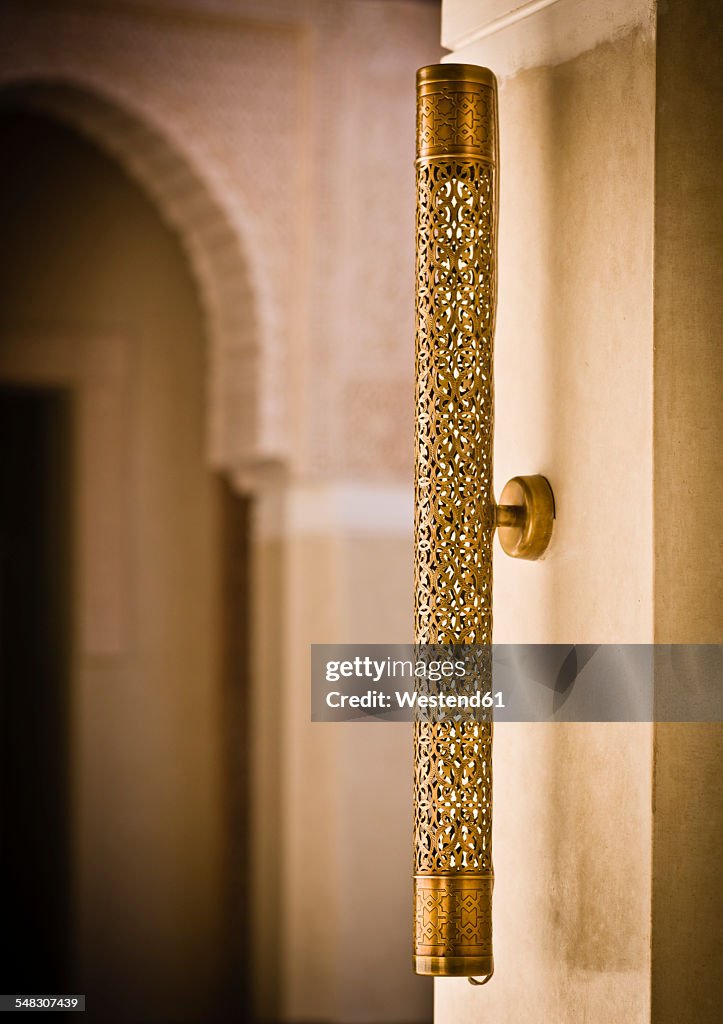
x,y
243,358
99,307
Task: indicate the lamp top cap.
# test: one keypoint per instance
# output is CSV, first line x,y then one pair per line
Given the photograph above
x,y
456,73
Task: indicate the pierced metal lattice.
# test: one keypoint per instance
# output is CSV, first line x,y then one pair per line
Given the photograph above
x,y
454,518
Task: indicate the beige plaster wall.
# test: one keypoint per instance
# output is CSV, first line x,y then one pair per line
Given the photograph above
x,y
632,845
340,841
574,375
688,325
687,907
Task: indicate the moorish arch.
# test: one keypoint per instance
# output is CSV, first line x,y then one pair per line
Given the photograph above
x,y
242,418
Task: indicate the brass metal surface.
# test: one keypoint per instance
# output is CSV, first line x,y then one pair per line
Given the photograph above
x,y
456,112
527,533
453,924
456,231
510,516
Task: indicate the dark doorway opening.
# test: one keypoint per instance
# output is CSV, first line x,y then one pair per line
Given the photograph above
x,y
35,652
142,883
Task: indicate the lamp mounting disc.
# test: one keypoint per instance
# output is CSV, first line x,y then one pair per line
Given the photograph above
x,y
526,534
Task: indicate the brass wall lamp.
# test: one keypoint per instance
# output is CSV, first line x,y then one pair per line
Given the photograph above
x,y
455,511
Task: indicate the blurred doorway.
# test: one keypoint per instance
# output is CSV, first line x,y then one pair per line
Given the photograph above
x,y
127,603
35,642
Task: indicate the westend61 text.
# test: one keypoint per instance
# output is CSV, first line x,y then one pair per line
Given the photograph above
x,y
405,699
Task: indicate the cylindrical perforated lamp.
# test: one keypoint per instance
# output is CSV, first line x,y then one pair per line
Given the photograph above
x,y
455,510
456,514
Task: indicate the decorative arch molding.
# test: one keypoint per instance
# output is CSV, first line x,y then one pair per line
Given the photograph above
x,y
243,416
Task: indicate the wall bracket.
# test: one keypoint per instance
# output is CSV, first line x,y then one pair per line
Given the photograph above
x,y
524,517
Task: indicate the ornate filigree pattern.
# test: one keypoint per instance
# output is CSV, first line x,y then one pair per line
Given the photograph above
x,y
453,806
454,510
455,322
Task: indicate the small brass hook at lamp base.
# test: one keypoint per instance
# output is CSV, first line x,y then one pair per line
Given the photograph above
x,y
525,516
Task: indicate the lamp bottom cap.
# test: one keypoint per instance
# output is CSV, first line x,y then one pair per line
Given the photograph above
x,y
453,966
